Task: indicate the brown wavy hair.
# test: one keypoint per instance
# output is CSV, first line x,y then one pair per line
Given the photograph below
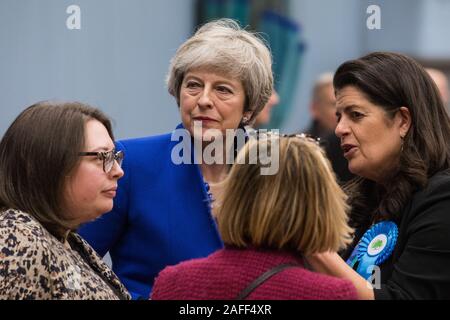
x,y
392,80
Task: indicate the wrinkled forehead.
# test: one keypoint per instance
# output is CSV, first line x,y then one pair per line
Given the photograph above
x,y
226,70
349,94
213,69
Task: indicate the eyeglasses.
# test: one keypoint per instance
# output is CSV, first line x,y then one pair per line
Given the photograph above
x,y
305,136
108,158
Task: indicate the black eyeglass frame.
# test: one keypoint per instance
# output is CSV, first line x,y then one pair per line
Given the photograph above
x,y
103,155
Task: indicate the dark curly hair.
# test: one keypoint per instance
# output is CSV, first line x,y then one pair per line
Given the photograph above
x,y
392,80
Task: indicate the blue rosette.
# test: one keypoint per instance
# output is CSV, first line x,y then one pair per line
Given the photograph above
x,y
375,247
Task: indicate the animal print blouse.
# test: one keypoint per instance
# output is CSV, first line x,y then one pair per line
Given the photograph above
x,y
36,265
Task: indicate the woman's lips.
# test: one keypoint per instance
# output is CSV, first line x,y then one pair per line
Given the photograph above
x,y
349,150
110,193
204,119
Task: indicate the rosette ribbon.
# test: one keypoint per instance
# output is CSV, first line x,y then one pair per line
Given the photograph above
x,y
375,247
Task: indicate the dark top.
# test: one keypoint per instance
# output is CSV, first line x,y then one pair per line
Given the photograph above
x,y
419,267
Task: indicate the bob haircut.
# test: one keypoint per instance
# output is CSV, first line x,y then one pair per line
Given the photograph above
x,y
37,154
391,81
222,46
301,208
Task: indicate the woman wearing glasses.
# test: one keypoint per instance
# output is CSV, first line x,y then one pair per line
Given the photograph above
x,y
221,78
58,169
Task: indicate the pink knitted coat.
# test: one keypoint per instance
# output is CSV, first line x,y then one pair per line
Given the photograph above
x,y
225,273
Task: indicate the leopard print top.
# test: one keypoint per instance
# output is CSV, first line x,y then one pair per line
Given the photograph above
x,y
36,265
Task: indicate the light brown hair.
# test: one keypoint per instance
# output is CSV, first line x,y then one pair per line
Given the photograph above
x,y
300,208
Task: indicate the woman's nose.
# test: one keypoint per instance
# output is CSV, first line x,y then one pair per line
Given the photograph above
x,y
205,100
342,128
116,171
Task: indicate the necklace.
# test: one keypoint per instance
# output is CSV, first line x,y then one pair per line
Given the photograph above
x,y
209,199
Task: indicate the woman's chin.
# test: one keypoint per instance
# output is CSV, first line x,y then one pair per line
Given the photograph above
x,y
107,208
101,210
208,135
355,169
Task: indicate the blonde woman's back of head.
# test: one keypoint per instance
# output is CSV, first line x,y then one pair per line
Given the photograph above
x,y
300,208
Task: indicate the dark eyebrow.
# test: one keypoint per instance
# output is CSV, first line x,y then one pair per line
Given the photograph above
x,y
347,108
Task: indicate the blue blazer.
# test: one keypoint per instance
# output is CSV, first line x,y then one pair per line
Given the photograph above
x,y
161,215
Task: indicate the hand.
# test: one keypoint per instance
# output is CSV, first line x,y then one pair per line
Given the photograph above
x,y
332,264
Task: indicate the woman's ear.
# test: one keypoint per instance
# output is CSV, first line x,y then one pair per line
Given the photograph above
x,y
247,115
404,118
